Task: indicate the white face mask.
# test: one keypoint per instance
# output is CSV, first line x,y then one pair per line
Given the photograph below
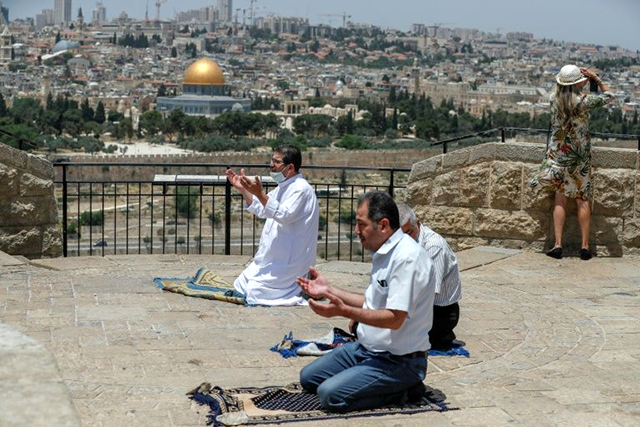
x,y
278,177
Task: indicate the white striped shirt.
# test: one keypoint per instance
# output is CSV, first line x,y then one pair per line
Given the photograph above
x,y
448,284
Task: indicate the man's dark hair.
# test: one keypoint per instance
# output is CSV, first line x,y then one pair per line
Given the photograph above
x,y
290,156
381,205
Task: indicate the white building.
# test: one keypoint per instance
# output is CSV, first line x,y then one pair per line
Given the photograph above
x,y
99,13
225,10
62,11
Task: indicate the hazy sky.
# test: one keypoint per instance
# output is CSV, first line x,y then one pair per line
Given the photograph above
x,y
611,22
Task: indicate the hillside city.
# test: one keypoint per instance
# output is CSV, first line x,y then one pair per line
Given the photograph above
x,y
219,78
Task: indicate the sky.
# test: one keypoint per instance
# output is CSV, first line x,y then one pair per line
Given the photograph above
x,y
606,22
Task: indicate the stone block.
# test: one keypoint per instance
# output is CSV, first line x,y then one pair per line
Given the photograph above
x,y
604,230
503,224
425,169
474,186
446,188
419,193
13,157
520,152
40,167
20,241
31,185
456,159
52,242
8,180
463,243
506,185
614,158
534,199
631,233
446,220
483,153
613,192
27,211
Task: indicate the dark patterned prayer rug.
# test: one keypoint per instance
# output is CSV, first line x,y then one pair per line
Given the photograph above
x,y
277,405
205,284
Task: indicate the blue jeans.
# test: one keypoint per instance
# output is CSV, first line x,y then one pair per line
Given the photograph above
x,y
351,378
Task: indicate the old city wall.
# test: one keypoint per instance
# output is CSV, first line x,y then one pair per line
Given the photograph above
x,y
481,196
28,212
377,158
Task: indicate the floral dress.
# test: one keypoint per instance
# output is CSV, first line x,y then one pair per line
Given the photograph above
x,y
567,164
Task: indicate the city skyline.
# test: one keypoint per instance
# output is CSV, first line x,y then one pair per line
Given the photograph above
x,y
590,21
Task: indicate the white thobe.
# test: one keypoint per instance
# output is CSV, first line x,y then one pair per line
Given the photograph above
x,y
288,244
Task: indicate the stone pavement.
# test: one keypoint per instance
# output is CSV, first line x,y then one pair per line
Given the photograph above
x,y
553,343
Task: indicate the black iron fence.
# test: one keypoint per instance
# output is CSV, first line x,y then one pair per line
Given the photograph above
x,y
201,214
506,132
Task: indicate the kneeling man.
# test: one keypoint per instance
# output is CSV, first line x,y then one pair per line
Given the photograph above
x,y
393,318
446,311
289,239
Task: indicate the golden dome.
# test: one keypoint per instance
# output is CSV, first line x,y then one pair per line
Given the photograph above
x,y
204,72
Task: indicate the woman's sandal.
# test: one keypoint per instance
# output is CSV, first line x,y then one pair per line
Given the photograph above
x,y
555,253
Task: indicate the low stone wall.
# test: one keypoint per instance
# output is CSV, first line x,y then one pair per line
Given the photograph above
x,y
481,196
28,210
373,158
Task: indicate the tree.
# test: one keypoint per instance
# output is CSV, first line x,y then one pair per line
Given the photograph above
x,y
114,116
87,111
174,123
3,106
151,122
100,116
186,201
58,37
162,90
352,142
126,128
174,52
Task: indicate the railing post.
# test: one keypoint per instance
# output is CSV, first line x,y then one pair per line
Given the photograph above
x,y
64,212
390,186
227,217
502,135
638,142
444,148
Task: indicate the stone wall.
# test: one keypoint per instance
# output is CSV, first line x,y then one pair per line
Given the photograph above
x,y
28,210
373,158
481,196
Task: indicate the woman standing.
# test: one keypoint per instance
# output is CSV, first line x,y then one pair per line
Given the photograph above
x,y
566,170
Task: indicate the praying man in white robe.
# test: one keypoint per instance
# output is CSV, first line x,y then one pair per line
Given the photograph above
x,y
289,239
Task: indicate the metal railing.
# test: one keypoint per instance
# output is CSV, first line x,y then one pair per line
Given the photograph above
x,y
145,216
503,131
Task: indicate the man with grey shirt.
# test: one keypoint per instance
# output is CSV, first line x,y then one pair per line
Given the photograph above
x,y
446,311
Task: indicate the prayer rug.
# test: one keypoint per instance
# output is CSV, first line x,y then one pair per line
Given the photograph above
x,y
205,284
290,347
277,405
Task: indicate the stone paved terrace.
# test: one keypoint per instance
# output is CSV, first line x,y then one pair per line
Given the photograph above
x,y
553,343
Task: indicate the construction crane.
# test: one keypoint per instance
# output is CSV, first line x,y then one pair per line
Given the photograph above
x,y
344,17
252,22
158,4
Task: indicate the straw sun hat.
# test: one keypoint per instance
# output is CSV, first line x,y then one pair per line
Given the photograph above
x,y
570,75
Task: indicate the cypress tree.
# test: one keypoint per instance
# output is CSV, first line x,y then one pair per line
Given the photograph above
x,y
100,114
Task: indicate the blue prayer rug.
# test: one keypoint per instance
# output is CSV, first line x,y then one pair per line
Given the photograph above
x,y
205,284
290,347
277,405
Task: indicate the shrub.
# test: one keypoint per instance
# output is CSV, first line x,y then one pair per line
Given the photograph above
x,y
93,218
